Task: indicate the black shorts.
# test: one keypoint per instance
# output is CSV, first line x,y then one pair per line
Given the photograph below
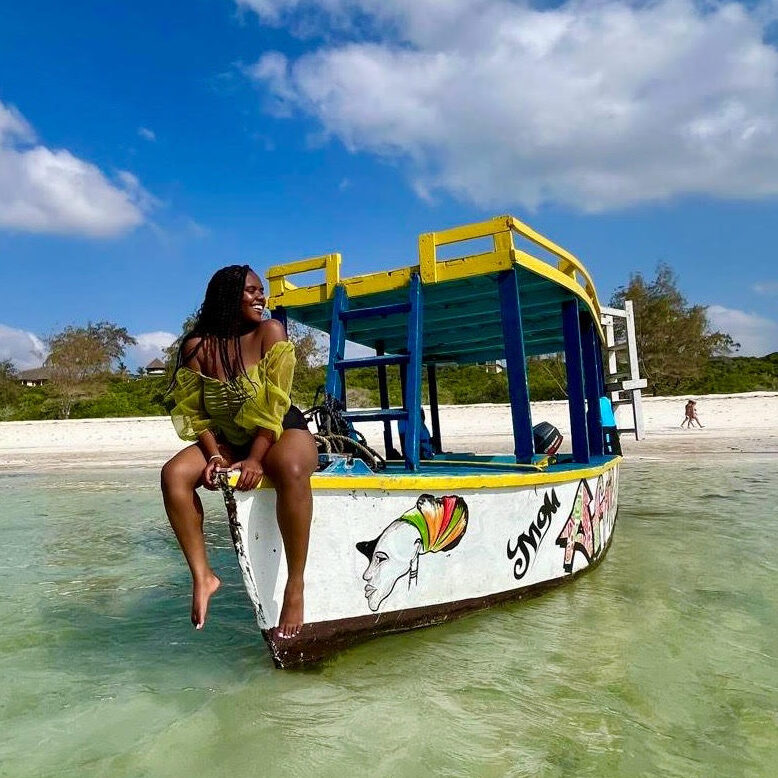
x,y
294,419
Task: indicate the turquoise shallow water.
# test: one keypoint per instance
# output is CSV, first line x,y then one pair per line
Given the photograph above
x,y
660,662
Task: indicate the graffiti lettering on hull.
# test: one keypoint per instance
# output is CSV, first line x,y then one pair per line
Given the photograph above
x,y
527,543
590,521
433,524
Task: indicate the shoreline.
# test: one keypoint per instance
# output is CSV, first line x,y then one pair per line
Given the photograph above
x,y
735,424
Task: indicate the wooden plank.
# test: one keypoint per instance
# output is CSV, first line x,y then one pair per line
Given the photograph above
x,y
383,394
334,384
576,398
590,347
432,385
516,365
413,381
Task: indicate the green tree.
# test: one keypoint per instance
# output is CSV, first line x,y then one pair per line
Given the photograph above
x,y
471,384
675,340
80,357
729,375
547,378
9,388
309,374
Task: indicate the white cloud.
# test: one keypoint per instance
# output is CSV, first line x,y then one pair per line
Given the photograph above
x,y
150,345
757,335
53,191
24,349
195,229
269,10
766,287
147,134
593,104
13,125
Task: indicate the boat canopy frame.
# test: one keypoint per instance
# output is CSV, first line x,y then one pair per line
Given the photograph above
x,y
502,304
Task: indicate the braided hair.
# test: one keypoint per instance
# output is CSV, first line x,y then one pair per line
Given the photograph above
x,y
219,319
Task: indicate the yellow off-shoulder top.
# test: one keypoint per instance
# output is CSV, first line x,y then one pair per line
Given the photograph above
x,y
204,403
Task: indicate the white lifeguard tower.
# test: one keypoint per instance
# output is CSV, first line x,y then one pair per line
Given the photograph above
x,y
622,372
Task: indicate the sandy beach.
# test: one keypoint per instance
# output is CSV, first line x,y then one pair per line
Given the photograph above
x,y
734,424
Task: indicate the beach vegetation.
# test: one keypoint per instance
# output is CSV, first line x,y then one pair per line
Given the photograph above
x,y
80,358
547,378
457,384
116,395
9,388
680,354
675,340
727,375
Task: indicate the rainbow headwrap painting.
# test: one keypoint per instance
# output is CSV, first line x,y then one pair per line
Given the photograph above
x,y
441,521
433,524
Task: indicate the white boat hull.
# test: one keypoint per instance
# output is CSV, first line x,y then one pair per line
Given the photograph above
x,y
370,570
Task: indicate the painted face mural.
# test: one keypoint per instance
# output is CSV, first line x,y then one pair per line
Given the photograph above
x,y
434,524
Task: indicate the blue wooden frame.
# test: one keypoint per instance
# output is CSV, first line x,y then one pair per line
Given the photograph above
x,y
590,346
413,375
410,367
432,386
576,399
516,364
383,394
600,369
335,385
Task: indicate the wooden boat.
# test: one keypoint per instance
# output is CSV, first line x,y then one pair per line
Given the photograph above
x,y
424,541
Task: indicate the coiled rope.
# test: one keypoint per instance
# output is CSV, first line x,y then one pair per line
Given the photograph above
x,y
334,435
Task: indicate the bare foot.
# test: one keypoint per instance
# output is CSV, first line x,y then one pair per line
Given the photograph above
x,y
202,591
291,620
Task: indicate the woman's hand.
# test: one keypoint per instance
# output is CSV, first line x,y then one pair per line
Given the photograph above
x,y
209,474
251,473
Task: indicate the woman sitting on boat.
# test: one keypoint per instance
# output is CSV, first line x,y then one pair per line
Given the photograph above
x,y
231,387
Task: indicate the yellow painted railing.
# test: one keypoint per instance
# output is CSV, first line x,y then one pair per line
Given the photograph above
x,y
567,272
501,229
568,264
279,284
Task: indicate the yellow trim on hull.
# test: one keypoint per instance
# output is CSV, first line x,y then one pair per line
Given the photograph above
x,y
444,483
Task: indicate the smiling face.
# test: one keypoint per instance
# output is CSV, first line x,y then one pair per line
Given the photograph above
x,y
252,304
395,551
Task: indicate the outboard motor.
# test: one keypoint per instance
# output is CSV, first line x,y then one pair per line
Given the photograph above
x,y
547,438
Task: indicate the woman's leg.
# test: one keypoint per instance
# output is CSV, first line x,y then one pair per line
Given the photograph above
x,y
180,479
290,463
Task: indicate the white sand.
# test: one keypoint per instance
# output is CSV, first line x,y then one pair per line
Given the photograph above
x,y
740,423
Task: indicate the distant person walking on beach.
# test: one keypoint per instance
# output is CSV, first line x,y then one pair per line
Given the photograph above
x,y
691,415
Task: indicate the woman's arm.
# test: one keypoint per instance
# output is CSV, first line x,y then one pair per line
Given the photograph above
x,y
251,470
215,459
206,438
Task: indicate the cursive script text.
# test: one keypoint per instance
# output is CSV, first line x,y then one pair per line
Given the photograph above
x,y
527,543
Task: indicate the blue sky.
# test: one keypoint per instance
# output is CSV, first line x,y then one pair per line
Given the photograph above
x,y
142,146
